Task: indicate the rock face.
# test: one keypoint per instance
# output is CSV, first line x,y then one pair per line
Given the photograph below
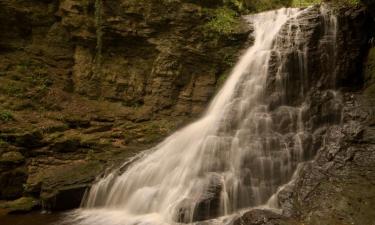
x,y
263,217
337,186
85,84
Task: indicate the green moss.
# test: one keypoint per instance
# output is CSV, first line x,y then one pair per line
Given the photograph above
x,y
221,80
13,90
148,132
23,204
237,5
29,79
223,21
6,116
305,3
38,79
66,175
263,5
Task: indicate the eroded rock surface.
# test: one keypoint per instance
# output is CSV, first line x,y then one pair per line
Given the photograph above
x,y
336,186
86,85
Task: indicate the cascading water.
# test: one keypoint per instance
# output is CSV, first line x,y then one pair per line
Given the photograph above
x,y
236,156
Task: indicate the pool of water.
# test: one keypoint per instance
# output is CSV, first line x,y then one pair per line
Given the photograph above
x,y
34,218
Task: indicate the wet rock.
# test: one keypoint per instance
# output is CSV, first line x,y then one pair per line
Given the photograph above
x,y
99,127
30,139
369,135
337,185
21,205
262,217
11,183
77,122
64,198
66,145
206,206
11,158
341,73
62,186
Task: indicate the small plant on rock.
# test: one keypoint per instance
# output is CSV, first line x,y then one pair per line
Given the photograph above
x,y
223,21
6,116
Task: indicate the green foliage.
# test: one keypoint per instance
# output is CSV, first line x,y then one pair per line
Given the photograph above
x,y
32,78
13,90
221,80
34,73
263,5
223,21
305,3
39,82
347,2
37,79
238,5
6,116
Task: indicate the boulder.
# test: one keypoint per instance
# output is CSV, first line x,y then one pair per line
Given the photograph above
x,y
21,205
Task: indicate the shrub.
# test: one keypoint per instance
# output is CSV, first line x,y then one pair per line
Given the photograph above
x,y
223,21
305,3
221,80
238,5
14,90
263,5
6,116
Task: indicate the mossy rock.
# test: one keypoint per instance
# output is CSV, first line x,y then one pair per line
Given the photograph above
x,y
11,183
66,144
27,139
12,157
148,132
344,201
21,205
6,116
62,187
77,122
226,25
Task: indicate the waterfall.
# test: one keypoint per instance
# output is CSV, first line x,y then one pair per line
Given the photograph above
x,y
247,144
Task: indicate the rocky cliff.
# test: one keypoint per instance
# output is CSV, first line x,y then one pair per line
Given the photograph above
x,y
336,185
84,83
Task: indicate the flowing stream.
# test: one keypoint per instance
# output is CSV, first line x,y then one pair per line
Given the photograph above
x,y
236,156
